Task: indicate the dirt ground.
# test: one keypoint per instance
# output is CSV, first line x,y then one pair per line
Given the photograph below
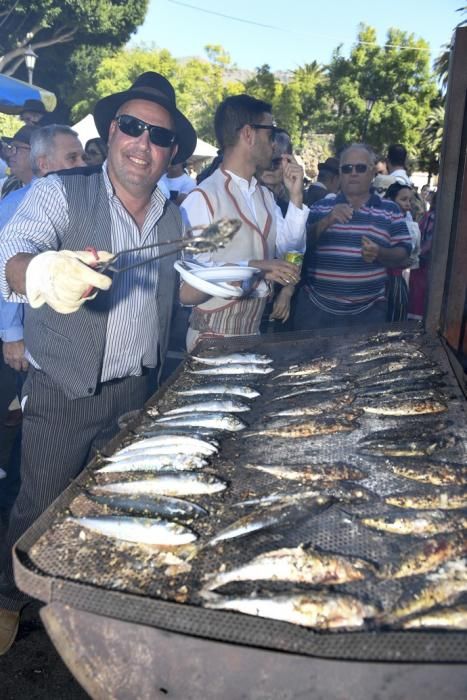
x,y
33,669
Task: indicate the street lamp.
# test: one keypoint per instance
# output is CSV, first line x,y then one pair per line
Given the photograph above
x,y
30,58
370,103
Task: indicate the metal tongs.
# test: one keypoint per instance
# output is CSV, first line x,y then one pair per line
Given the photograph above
x,y
214,236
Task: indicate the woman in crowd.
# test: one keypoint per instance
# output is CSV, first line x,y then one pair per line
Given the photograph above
x,y
419,276
398,291
95,151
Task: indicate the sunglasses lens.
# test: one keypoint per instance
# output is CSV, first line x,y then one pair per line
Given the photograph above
x,y
131,126
359,168
161,137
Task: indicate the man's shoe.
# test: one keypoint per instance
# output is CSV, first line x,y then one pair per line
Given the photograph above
x,y
9,623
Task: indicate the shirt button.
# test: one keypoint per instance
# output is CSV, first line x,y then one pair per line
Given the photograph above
x,y
90,390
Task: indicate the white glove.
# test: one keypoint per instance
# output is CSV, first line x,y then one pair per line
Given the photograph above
x,y
59,279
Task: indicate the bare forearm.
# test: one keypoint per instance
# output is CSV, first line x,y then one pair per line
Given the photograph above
x,y
191,296
314,231
392,257
15,271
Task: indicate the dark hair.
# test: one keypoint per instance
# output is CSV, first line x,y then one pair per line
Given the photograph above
x,y
394,189
234,113
211,168
282,141
397,154
100,145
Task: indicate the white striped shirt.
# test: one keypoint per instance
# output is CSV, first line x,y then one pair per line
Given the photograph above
x,y
132,325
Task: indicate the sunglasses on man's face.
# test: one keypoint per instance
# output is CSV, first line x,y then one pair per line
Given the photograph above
x,y
158,135
349,167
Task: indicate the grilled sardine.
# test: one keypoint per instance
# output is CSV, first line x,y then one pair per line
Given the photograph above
x,y
167,484
399,406
441,588
443,618
216,421
318,426
246,392
423,524
319,366
298,565
152,531
427,557
212,406
319,610
271,515
151,506
337,471
442,500
237,358
431,472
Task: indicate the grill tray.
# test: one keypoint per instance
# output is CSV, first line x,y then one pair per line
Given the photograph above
x,y
52,563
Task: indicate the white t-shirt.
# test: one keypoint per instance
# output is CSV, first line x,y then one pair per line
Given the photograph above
x,y
183,184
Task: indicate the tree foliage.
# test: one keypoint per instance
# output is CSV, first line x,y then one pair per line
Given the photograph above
x,y
63,33
382,94
199,83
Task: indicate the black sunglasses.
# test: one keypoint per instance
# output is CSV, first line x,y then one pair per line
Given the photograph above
x,y
274,129
158,135
359,168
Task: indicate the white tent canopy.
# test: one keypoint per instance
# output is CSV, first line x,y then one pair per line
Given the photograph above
x,y
86,129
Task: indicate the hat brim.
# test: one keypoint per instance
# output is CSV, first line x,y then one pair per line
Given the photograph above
x,y
329,168
106,109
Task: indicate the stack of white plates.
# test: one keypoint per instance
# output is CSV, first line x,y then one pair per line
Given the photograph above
x,y
215,280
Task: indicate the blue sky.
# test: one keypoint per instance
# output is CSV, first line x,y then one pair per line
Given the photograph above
x,y
297,32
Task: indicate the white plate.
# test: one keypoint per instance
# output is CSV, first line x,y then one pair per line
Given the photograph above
x,y
226,273
222,289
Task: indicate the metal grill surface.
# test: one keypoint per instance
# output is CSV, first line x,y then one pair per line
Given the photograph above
x,y
59,560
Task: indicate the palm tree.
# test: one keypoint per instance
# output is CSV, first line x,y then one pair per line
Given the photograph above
x,y
441,64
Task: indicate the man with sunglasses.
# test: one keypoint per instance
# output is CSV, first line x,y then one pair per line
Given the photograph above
x,y
353,237
245,132
91,352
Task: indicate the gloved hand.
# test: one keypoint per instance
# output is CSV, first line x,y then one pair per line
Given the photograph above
x,y
59,278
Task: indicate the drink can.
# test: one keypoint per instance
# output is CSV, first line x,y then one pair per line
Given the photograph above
x,y
294,257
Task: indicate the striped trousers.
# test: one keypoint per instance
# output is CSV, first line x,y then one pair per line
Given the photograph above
x,y
60,436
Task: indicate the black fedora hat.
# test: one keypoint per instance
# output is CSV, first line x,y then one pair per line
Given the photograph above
x,y
330,164
154,88
34,106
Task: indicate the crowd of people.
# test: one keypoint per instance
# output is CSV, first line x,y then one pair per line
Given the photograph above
x,y
88,347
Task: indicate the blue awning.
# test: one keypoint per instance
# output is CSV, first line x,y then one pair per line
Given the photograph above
x,y
14,93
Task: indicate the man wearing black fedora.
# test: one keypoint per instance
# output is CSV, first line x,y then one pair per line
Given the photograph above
x,y
326,183
32,112
92,341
